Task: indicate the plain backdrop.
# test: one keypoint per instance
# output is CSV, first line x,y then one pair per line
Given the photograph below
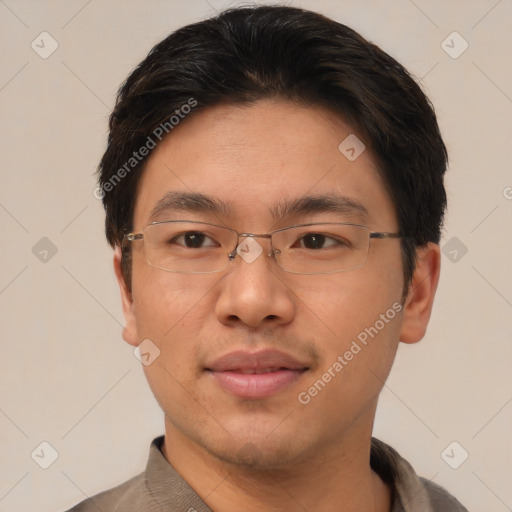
x,y
68,378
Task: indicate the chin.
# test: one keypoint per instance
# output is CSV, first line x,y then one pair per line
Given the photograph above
x,y
259,453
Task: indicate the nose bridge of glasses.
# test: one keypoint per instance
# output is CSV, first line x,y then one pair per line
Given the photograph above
x,y
243,248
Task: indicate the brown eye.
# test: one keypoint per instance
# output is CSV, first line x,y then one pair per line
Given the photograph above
x,y
313,241
317,241
193,240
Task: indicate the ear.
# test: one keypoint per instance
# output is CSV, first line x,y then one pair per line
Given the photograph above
x,y
420,298
130,329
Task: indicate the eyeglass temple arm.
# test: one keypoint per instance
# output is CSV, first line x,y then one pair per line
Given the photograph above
x,y
134,236
130,237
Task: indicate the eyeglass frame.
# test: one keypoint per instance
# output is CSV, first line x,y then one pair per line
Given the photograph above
x,y
377,235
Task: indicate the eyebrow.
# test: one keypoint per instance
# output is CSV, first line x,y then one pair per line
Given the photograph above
x,y
188,201
323,203
306,205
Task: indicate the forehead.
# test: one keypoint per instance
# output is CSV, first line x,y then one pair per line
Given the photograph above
x,y
255,161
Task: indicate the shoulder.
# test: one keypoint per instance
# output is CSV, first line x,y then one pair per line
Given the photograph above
x,y
440,499
123,497
159,487
411,493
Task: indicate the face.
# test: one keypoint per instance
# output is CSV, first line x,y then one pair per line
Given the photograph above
x,y
321,345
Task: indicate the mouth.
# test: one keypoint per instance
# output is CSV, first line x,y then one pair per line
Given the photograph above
x,y
256,375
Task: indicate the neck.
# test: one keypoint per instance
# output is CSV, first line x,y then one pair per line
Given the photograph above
x,y
334,478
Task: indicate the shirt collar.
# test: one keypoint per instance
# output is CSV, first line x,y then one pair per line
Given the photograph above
x,y
172,493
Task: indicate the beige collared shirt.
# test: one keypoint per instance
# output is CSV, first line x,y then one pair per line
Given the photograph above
x,y
161,489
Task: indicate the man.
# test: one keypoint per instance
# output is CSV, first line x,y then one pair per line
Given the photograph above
x,y
273,186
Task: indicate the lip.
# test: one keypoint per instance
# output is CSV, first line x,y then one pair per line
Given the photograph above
x,y
256,375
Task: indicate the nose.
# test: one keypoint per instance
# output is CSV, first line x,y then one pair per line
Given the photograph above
x,y
254,293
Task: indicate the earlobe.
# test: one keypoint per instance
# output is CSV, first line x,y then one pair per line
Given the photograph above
x,y
420,298
130,329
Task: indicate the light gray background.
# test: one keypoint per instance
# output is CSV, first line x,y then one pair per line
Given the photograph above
x,y
66,375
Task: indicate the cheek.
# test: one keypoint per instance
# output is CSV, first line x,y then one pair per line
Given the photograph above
x,y
356,317
344,304
163,300
170,311
357,352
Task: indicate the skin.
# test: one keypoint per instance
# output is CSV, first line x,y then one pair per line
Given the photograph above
x,y
272,454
